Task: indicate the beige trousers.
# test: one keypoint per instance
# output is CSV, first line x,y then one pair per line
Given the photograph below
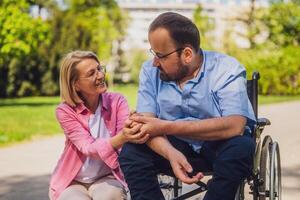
x,y
106,188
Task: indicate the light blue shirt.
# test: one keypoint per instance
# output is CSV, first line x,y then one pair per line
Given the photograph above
x,y
218,90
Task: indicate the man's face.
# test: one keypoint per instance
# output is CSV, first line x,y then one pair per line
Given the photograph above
x,y
166,56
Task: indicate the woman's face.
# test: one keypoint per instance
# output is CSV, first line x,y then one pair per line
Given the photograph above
x,y
91,78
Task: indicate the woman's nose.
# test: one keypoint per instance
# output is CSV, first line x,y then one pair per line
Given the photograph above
x,y
100,74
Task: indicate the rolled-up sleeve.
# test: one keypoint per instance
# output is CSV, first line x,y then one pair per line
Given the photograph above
x,y
233,99
230,91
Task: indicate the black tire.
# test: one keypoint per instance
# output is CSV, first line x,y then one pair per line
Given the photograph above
x,y
275,172
264,169
270,171
170,186
239,195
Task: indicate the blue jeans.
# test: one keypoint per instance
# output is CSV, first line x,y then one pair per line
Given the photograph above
x,y
230,160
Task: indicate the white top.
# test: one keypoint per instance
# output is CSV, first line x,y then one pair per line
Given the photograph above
x,y
92,169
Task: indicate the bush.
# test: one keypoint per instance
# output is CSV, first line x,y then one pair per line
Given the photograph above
x,y
279,69
27,89
135,60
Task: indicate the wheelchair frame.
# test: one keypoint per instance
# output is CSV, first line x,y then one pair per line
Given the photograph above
x,y
265,179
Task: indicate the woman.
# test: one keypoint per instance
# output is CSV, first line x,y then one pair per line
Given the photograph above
x,y
93,122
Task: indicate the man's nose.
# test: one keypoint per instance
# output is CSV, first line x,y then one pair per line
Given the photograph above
x,y
156,61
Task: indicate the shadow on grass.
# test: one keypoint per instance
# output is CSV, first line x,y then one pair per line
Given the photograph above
x,y
24,187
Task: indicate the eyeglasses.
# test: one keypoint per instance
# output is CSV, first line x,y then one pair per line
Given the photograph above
x,y
160,56
92,74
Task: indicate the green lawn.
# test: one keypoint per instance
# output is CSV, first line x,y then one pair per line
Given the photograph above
x,y
26,118
277,99
22,119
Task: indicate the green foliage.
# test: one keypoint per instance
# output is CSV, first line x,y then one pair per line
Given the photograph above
x,y
278,57
135,59
84,24
283,22
204,25
250,20
279,69
20,37
31,47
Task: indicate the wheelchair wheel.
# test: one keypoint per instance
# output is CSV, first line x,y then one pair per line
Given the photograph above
x,y
239,195
275,172
270,171
171,187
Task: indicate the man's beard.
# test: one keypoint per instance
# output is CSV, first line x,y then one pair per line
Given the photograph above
x,y
180,74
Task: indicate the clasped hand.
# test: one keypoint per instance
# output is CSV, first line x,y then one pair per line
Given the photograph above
x,y
133,132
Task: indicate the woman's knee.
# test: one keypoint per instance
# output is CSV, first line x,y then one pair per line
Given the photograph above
x,y
107,188
76,192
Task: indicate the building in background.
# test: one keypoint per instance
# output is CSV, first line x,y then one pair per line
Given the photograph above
x,y
142,12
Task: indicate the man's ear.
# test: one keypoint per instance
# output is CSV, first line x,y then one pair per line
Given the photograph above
x,y
187,54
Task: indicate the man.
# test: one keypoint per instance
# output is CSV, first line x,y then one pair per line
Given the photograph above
x,y
194,105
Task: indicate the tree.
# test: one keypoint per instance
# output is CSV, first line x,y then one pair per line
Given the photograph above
x,y
20,37
31,46
205,25
277,58
83,24
251,20
283,23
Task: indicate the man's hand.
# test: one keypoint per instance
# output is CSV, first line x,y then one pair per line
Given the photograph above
x,y
151,125
181,168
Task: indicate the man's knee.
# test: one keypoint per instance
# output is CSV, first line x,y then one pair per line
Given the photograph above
x,y
244,146
134,156
130,152
238,147
235,158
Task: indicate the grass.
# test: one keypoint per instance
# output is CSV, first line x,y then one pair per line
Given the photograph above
x,y
23,119
129,91
26,118
276,99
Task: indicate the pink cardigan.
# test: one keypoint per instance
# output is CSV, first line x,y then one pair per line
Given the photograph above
x,y
79,143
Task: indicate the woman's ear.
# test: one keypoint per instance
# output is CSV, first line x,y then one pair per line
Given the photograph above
x,y
76,86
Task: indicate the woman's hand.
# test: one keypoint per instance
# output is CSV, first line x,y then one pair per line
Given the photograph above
x,y
132,132
151,125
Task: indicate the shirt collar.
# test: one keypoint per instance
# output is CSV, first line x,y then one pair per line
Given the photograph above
x,y
80,108
202,69
105,103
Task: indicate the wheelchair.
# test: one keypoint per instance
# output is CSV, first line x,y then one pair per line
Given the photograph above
x,y
264,183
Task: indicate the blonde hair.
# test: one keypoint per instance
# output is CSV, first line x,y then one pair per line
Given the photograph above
x,y
68,75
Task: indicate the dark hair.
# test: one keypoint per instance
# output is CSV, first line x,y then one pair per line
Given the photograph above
x,y
181,29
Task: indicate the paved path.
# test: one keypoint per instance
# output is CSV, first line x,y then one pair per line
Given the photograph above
x,y
25,168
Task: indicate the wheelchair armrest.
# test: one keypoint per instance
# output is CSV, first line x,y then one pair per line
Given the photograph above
x,y
261,122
